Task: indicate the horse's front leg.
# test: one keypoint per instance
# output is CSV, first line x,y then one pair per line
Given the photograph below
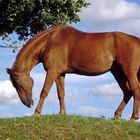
x,y
50,78
61,93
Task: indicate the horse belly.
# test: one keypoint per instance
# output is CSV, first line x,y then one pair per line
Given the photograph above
x,y
91,64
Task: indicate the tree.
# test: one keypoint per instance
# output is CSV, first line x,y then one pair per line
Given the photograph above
x,y
27,17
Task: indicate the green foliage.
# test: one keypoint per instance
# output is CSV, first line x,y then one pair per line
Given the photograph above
x,y
27,17
62,127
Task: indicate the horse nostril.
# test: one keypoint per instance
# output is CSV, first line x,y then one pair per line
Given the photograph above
x,y
30,105
30,101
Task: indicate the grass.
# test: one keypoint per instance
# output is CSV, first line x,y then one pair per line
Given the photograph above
x,y
62,127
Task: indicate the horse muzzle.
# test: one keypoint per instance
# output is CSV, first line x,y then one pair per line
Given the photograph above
x,y
29,102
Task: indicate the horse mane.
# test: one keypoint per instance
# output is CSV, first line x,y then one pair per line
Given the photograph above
x,y
50,29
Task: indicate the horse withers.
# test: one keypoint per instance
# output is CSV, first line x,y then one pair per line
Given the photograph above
x,y
63,49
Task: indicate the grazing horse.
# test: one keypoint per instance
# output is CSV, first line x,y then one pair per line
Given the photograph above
x,y
63,49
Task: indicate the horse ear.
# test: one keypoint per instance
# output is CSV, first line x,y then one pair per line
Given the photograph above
x,y
9,71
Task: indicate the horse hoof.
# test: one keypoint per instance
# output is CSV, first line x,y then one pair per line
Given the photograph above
x,y
134,119
117,115
36,114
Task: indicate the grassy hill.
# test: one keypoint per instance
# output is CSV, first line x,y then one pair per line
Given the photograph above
x,y
62,127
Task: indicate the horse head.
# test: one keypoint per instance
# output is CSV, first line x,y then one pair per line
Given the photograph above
x,y
23,84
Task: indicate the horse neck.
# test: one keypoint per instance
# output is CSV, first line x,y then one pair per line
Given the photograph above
x,y
27,58
24,63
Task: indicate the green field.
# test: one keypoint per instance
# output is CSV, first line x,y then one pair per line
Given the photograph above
x,y
65,127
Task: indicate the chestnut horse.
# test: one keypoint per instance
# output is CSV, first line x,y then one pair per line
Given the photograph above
x,y
63,49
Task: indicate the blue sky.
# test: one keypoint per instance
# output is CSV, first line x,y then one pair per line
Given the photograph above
x,y
87,96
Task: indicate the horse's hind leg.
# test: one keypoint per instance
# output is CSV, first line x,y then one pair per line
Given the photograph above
x,y
122,81
135,88
61,93
50,78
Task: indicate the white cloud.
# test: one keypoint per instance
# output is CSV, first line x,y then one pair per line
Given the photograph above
x,y
92,111
111,89
38,76
108,15
110,10
52,98
8,94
